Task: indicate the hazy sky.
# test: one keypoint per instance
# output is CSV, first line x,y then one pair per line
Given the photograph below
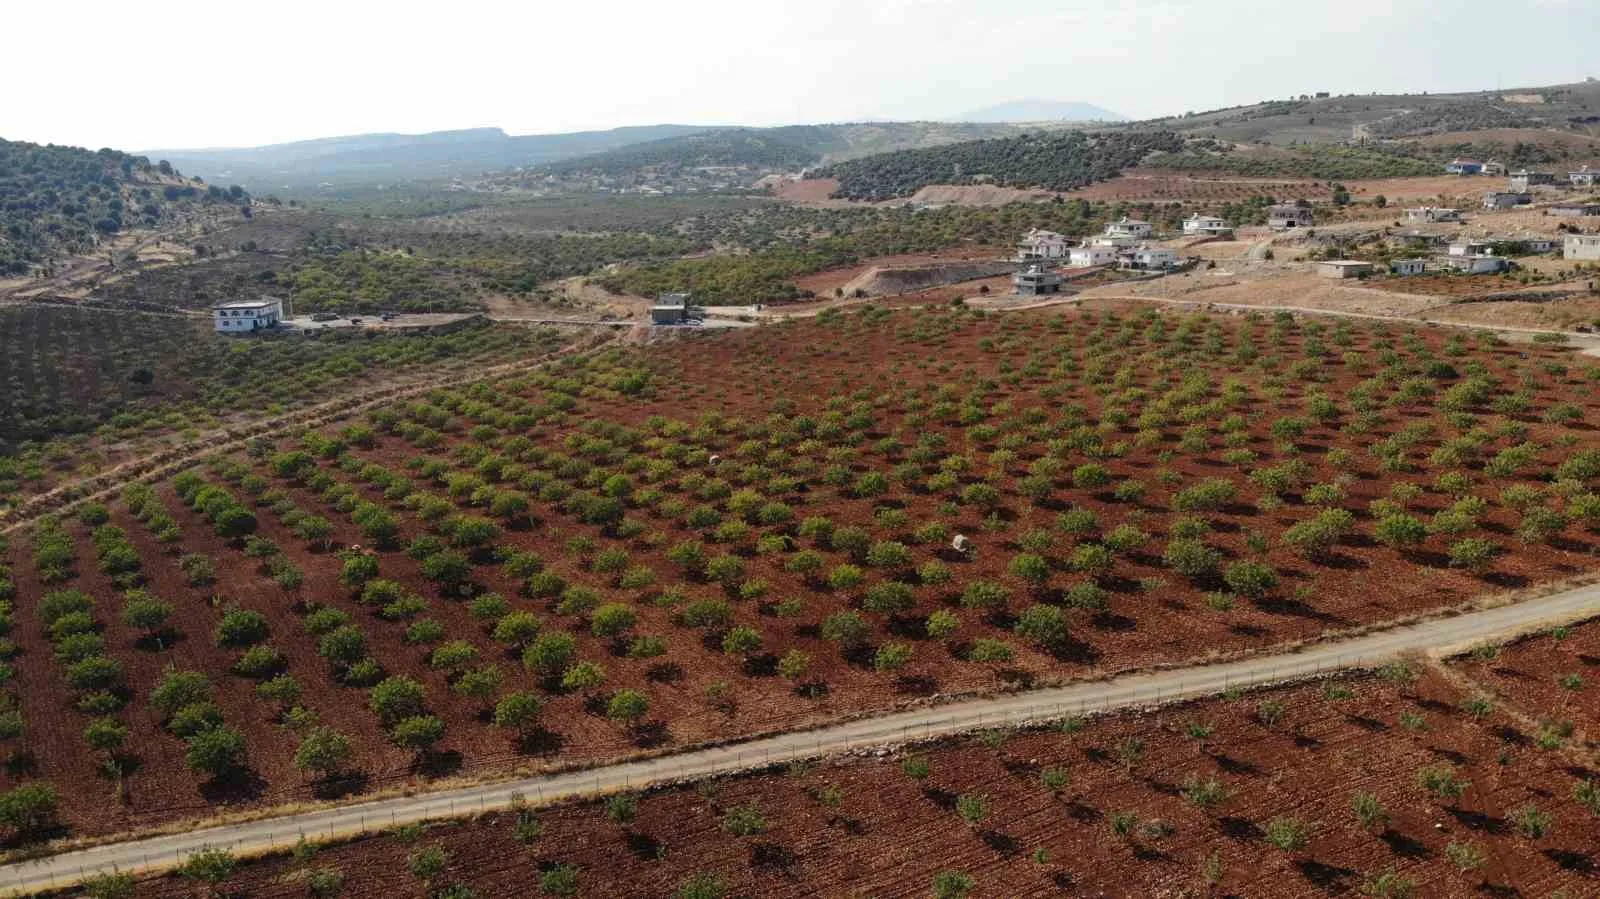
x,y
185,73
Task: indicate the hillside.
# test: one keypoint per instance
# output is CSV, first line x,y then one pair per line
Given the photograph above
x,y
1059,161
1569,109
58,201
398,157
1042,111
738,147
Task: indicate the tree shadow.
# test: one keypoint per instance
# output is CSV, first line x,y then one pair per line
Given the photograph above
x,y
1003,843
540,741
664,673
340,785
438,763
1328,877
243,785
1569,860
643,846
1402,845
651,734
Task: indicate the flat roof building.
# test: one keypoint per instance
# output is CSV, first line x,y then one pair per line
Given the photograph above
x,y
1036,280
1344,268
246,316
1584,247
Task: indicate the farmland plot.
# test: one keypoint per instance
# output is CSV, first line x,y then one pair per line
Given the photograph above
x,y
1387,784
745,533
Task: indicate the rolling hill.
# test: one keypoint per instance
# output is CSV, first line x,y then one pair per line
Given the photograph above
x,y
58,200
1042,111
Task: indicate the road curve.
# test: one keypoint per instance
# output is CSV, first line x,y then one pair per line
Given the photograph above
x,y
1438,636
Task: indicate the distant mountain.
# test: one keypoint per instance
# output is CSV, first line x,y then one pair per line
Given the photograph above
x,y
1041,111
384,158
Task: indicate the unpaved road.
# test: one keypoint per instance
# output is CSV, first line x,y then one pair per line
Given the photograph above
x,y
1437,636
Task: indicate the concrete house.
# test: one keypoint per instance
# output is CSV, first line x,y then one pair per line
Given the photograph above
x,y
1289,215
1433,214
1344,268
1505,199
1463,167
1575,210
1092,254
1206,225
1581,247
246,316
1472,248
1494,168
675,309
1128,227
1036,280
1041,244
1521,181
1584,177
1151,259
1478,265
1408,266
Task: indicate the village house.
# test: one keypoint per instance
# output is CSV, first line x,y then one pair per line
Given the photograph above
x,y
1344,268
1468,248
246,316
1433,214
1575,210
1477,265
1584,177
1129,228
1041,244
1504,199
1522,181
1151,259
1494,168
1408,266
1092,254
1463,167
1207,225
1583,247
675,309
1036,280
1284,216
1122,242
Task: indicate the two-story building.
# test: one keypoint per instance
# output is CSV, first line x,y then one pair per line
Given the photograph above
x,y
1584,177
1041,244
1522,181
1151,259
1091,254
1206,226
1036,280
247,316
1129,228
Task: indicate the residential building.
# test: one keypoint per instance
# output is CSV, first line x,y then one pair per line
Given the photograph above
x,y
1036,280
1041,244
1093,254
1478,265
1433,214
245,316
1408,266
1128,227
1207,225
1575,210
1472,248
1584,247
1121,242
1463,167
674,309
1344,268
1151,259
1584,177
1522,181
1494,168
1506,199
1289,215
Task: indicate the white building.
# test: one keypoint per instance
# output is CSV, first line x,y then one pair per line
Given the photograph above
x,y
1408,266
1433,214
1208,225
1093,254
1584,247
1584,177
1041,244
1521,181
1121,242
1128,227
1478,265
1575,210
1468,248
1152,259
1344,268
245,316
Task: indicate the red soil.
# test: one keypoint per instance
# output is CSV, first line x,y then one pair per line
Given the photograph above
x,y
865,828
697,692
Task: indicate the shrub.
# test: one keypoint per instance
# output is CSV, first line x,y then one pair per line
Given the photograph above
x,y
1191,558
1253,579
1044,625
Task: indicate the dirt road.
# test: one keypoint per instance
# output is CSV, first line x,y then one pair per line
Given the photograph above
x,y
1438,636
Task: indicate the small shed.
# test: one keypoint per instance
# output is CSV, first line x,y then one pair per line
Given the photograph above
x,y
1408,266
1344,268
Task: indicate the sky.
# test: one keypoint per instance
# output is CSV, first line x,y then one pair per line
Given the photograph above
x,y
186,73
